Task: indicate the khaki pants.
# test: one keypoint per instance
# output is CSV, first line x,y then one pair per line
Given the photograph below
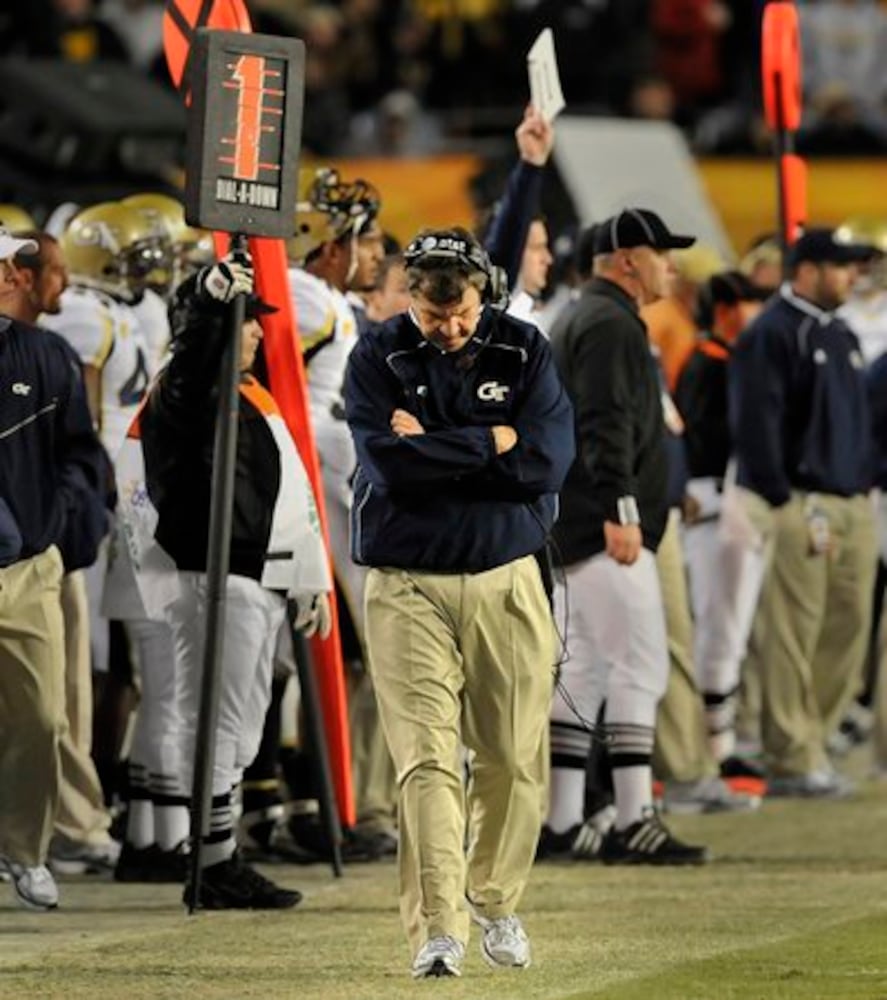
x,y
81,815
463,659
817,610
32,704
375,784
681,751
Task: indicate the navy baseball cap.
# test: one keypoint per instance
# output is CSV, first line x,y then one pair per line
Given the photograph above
x,y
637,227
821,246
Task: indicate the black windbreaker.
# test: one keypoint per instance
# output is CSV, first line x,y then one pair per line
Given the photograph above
x,y
601,349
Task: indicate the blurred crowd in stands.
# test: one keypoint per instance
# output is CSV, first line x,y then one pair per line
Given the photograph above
x,y
407,77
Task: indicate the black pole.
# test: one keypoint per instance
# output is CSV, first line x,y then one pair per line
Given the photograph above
x,y
221,505
329,816
783,145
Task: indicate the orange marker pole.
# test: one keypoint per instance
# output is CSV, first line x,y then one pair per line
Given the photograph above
x,y
288,383
781,70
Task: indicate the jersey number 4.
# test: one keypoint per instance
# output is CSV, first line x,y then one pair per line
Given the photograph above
x,y
133,389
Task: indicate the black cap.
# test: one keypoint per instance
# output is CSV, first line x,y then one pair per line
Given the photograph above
x,y
256,307
820,246
726,288
637,227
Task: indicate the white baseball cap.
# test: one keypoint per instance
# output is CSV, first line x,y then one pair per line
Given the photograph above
x,y
11,245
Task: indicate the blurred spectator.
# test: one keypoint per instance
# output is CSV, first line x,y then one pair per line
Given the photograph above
x,y
845,76
369,29
651,98
80,34
464,42
325,121
671,320
396,126
139,24
689,42
391,294
762,262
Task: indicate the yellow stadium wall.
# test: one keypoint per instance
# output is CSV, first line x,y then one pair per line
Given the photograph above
x,y
743,192
434,191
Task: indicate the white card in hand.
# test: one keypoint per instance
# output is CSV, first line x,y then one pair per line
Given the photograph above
x,y
546,95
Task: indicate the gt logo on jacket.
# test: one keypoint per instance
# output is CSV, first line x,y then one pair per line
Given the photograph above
x,y
492,391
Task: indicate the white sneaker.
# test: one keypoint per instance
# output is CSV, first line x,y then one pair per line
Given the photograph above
x,y
34,887
505,944
439,956
707,795
74,857
821,784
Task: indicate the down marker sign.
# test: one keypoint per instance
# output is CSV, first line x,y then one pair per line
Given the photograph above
x,y
246,113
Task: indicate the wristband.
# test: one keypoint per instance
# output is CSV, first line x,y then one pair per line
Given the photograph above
x,y
627,511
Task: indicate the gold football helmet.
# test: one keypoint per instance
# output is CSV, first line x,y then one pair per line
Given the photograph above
x,y
865,229
327,208
870,231
192,248
112,247
16,219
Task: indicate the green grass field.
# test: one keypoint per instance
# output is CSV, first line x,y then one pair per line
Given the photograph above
x,y
794,906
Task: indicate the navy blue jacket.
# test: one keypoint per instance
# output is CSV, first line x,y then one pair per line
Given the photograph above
x,y
601,348
510,224
443,501
54,474
799,410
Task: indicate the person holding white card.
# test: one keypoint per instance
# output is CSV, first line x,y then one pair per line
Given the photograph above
x,y
517,239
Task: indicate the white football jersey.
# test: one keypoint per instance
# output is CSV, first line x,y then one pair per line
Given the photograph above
x,y
107,336
867,318
154,320
328,332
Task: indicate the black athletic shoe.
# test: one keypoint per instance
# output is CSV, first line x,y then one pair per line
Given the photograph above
x,y
367,845
648,842
151,864
742,767
233,885
582,842
271,842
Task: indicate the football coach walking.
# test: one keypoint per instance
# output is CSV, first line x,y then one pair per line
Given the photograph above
x,y
464,434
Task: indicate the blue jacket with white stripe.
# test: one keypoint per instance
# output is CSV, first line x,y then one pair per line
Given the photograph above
x,y
54,474
444,501
799,410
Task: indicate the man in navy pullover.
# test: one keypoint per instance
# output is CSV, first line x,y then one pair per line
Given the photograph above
x,y
53,482
464,435
800,422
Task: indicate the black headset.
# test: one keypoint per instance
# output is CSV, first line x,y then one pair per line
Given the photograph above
x,y
441,246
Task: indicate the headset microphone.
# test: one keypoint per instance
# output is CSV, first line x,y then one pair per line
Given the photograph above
x,y
458,246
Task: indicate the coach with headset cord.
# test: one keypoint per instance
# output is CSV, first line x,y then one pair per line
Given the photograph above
x,y
464,434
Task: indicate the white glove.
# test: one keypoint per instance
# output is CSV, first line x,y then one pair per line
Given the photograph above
x,y
230,277
313,615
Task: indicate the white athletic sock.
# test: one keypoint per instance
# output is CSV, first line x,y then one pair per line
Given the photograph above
x,y
723,744
566,798
171,824
219,845
140,823
212,852
633,787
